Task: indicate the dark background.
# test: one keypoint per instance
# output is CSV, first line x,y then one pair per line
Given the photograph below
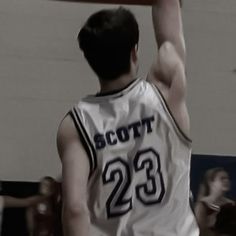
x,y
14,219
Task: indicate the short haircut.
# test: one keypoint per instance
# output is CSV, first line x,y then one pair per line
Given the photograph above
x,y
107,39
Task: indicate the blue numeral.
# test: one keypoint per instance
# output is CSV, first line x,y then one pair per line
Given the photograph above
x,y
150,192
117,171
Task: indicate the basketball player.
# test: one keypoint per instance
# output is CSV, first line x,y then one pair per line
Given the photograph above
x,y
125,151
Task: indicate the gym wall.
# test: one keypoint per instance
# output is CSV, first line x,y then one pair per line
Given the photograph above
x,y
43,73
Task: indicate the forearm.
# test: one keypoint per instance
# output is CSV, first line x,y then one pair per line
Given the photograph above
x,y
20,202
14,202
167,22
75,224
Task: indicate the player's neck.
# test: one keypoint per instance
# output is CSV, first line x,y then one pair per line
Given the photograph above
x,y
118,84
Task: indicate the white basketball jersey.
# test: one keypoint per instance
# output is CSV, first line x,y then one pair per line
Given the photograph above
x,y
139,164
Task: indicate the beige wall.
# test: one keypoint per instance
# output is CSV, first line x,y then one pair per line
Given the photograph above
x,y
42,74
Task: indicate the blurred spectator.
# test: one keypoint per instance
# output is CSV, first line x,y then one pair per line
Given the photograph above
x,y
211,198
43,211
42,216
14,202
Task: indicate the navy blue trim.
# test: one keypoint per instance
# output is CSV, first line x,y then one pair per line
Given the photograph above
x,y
82,140
85,140
94,156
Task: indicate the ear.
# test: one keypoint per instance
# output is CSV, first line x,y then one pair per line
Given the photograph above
x,y
134,53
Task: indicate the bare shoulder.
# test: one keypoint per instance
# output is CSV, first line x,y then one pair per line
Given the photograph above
x,y
66,134
70,147
66,128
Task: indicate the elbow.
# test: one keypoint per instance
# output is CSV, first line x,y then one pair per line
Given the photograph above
x,y
74,212
75,220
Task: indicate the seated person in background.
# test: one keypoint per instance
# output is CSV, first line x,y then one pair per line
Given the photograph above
x,y
41,217
211,198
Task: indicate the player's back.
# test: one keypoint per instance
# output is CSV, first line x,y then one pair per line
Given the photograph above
x,y
140,163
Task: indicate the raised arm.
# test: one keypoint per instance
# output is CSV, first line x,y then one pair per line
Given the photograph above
x,y
75,172
168,25
168,71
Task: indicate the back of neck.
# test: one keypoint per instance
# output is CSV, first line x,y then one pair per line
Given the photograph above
x,y
117,84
